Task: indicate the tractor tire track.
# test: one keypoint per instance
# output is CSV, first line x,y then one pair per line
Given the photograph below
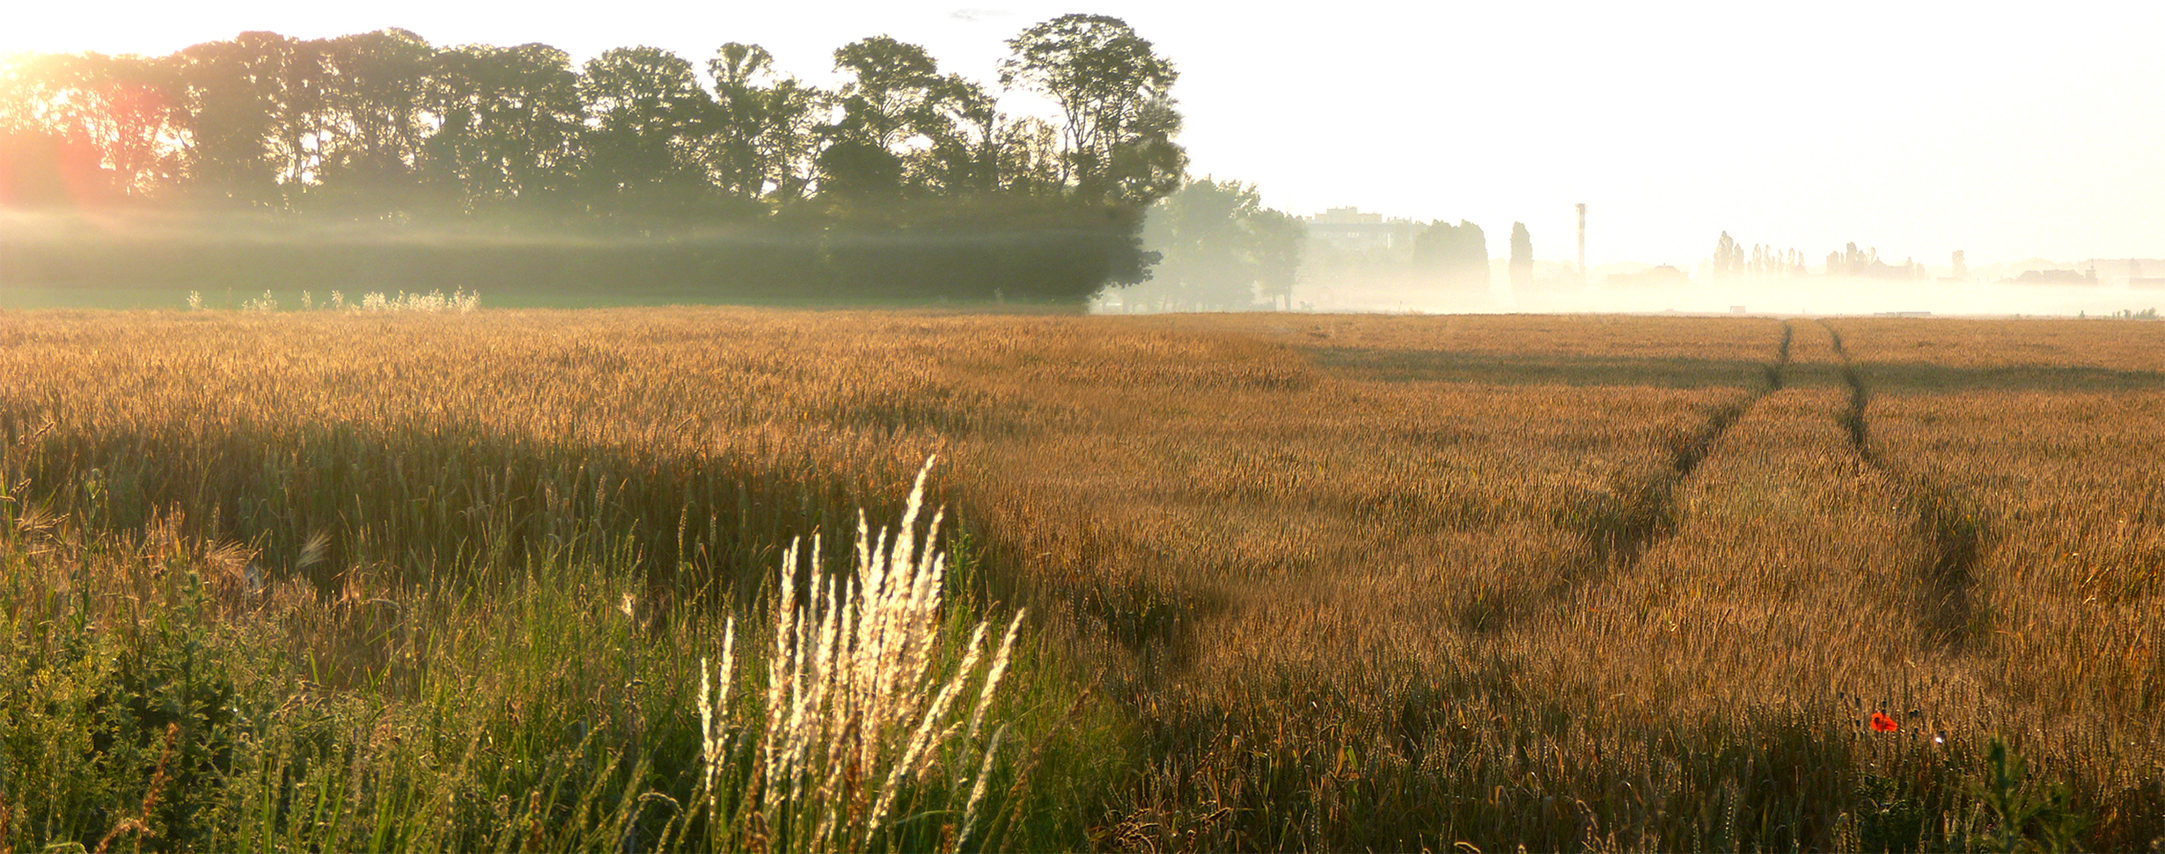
x,y
1953,533
1775,382
1654,514
1619,531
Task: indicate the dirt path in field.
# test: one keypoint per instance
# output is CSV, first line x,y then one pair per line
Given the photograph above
x,y
1954,534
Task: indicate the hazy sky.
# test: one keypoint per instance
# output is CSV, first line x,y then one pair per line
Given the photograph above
x,y
1914,128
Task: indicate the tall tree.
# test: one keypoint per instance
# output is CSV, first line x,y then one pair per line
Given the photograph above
x,y
793,138
888,92
887,99
233,97
740,148
1855,261
509,121
956,147
1221,249
1113,91
646,119
375,92
1457,254
1145,164
1278,238
770,127
302,122
114,114
1522,256
1728,257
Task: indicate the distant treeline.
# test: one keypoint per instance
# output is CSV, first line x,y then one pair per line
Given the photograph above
x,y
378,158
1764,261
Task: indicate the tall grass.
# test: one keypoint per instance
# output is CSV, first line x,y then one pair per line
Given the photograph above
x,y
159,697
373,302
857,717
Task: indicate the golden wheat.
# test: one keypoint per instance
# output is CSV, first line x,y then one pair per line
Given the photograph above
x,y
1571,582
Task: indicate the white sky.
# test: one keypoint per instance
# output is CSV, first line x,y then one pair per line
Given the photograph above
x,y
1918,128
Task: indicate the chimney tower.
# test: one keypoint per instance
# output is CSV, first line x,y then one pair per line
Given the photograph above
x,y
1582,240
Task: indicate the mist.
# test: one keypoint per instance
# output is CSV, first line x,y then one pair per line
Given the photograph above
x,y
1221,249
384,160
1817,295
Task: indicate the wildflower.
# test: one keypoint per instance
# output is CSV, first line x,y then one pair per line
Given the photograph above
x,y
1882,723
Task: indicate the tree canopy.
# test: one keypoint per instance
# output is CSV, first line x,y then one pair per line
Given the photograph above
x,y
1456,254
1221,248
385,127
1114,95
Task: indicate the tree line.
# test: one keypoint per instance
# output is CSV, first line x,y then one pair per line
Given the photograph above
x,y
1222,251
1731,261
901,176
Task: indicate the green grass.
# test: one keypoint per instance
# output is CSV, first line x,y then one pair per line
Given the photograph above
x,y
156,699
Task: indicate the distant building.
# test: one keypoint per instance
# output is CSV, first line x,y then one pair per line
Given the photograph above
x,y
2130,271
1348,229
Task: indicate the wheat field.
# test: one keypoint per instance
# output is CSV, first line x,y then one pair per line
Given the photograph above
x,y
1288,582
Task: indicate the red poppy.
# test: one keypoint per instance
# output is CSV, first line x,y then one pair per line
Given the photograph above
x,y
1882,723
